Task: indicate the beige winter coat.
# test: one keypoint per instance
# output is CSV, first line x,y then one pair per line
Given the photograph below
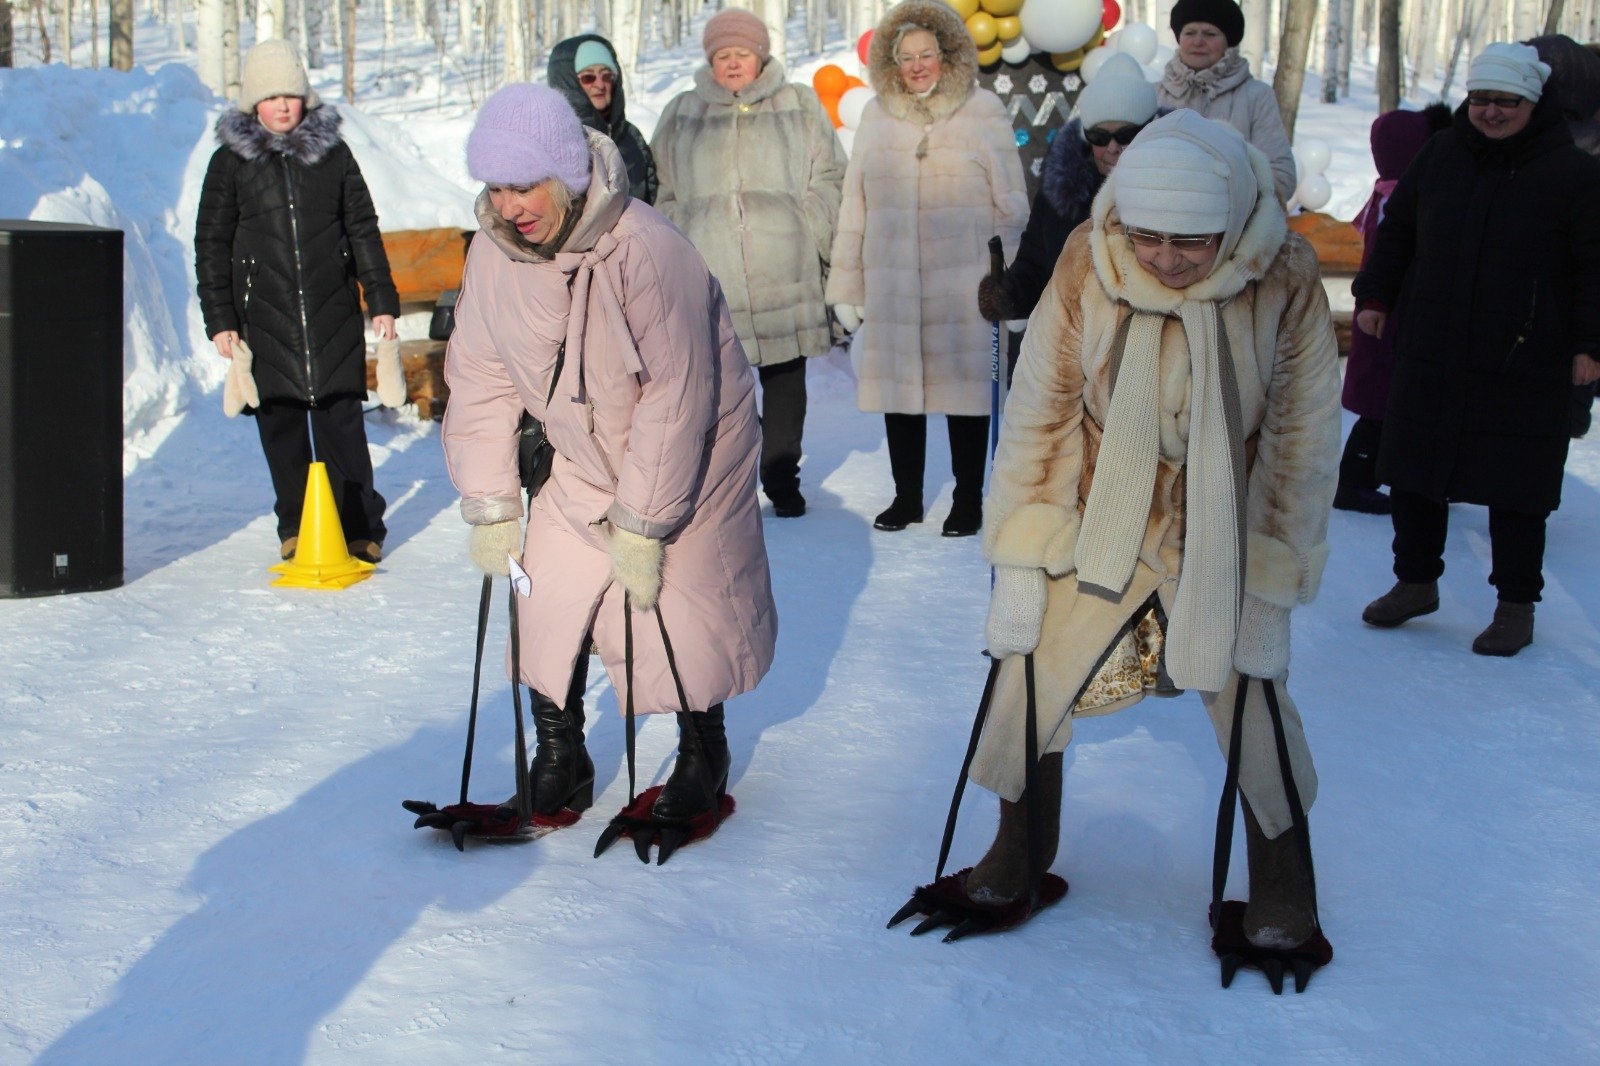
x,y
753,180
653,421
1226,92
1280,339
930,181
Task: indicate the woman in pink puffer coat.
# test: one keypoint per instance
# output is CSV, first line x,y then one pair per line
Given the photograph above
x,y
589,310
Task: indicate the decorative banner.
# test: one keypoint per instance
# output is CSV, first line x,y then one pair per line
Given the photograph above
x,y
1038,98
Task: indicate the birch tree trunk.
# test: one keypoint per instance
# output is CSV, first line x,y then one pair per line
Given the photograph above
x,y
1552,18
231,65
1470,12
5,33
466,16
269,19
1352,28
315,16
1256,24
208,44
1332,35
94,34
64,30
775,14
347,22
624,35
1293,44
120,45
1388,55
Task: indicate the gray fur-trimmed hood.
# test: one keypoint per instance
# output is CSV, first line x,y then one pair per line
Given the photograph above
x,y
1070,178
960,58
306,144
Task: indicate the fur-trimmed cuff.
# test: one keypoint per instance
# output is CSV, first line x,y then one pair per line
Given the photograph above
x,y
1279,575
625,518
1037,534
487,510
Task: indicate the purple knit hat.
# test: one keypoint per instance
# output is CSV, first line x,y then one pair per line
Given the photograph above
x,y
526,133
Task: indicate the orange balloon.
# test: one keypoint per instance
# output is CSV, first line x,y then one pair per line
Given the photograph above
x,y
830,104
983,30
830,80
853,82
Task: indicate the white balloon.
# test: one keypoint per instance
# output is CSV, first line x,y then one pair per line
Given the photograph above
x,y
1164,54
1061,25
1139,41
1314,192
1315,155
1017,52
852,104
847,137
1093,61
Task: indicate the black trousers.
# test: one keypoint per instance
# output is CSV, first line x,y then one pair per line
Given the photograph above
x,y
1516,545
1358,466
288,431
783,420
908,451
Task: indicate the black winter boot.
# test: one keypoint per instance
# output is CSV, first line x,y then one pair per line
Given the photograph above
x,y
1002,874
1358,471
969,436
1509,633
1280,913
700,774
1407,600
561,773
907,437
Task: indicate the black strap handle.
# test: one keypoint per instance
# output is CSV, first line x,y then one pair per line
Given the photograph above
x,y
966,765
477,673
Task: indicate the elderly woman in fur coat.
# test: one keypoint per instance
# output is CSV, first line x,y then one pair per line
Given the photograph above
x,y
750,170
933,175
588,309
285,229
1161,493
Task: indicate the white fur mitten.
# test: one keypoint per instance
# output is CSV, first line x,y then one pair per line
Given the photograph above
x,y
636,562
849,316
1262,646
391,377
1016,610
492,544
239,388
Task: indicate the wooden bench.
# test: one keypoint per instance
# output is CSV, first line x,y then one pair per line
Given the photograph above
x,y
1338,246
424,264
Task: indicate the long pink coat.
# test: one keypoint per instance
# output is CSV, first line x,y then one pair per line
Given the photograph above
x,y
654,426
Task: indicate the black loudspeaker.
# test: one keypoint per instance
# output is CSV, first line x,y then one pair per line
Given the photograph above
x,y
60,408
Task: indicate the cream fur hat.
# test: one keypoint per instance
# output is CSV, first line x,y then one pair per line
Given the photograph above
x,y
1509,68
1187,174
272,68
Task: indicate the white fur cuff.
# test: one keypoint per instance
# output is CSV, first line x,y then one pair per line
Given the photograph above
x,y
1278,574
636,562
1037,534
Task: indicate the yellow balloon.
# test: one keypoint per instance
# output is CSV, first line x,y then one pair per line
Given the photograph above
x,y
1094,42
965,8
984,31
1067,62
1001,8
988,57
1009,27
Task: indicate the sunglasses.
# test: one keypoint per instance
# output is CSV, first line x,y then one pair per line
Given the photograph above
x,y
589,77
1144,238
1504,103
1100,138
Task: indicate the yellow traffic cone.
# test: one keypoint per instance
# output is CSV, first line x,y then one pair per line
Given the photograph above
x,y
321,559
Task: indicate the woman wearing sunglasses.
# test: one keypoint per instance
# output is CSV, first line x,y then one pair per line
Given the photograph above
x,y
750,171
585,69
1112,110
1207,74
1161,494
933,175
1489,257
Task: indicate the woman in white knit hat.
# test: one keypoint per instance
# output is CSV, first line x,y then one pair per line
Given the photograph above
x,y
286,228
1489,255
1159,503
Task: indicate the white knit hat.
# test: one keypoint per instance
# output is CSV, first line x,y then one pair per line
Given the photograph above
x,y
1509,68
1119,93
1187,174
272,68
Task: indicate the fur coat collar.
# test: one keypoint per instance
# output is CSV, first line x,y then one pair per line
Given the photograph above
x,y
772,78
960,58
603,204
306,144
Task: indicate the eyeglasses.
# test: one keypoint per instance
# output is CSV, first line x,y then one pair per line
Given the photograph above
x,y
923,57
1144,238
1100,138
1504,103
589,77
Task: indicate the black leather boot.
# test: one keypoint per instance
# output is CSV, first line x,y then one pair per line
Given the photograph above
x,y
700,775
1002,874
907,437
561,774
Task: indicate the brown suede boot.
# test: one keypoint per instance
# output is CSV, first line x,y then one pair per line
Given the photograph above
x,y
1281,913
1407,600
1509,633
1002,874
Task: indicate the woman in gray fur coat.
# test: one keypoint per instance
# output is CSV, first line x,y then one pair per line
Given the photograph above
x,y
750,171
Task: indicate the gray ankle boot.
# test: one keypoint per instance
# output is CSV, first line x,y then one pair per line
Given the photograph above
x,y
1002,874
1407,600
1280,911
1509,633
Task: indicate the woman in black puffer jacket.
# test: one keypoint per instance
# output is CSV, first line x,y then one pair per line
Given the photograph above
x,y
286,229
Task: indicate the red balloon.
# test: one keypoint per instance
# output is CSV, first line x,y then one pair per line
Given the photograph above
x,y
1112,16
865,43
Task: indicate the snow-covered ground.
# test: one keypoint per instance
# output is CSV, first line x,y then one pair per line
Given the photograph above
x,y
203,858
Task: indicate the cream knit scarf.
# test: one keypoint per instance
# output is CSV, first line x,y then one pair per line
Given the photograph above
x,y
1205,615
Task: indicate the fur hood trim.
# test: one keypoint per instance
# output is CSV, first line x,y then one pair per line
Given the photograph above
x,y
959,55
603,205
1124,279
306,144
1226,74
772,78
1070,178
